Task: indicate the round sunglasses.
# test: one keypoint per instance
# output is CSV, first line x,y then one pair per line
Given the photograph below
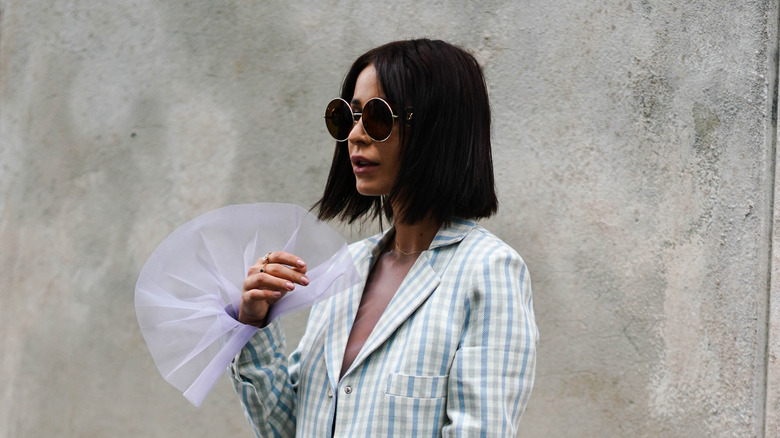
x,y
377,118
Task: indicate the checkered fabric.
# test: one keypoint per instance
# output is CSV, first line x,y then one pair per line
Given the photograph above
x,y
453,354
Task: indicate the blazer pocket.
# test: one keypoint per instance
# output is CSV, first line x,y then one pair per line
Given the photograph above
x,y
402,385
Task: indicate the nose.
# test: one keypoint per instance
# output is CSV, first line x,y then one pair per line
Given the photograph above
x,y
358,134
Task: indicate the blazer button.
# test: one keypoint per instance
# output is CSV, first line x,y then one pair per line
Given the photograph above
x,y
347,390
330,392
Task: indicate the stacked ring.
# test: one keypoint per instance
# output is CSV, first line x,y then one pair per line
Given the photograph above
x,y
265,263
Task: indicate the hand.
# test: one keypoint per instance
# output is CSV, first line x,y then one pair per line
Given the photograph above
x,y
267,281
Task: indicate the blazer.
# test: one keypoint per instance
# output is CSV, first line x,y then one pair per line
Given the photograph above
x,y
453,354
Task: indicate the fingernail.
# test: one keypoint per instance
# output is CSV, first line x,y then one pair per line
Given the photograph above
x,y
277,294
301,263
289,285
304,280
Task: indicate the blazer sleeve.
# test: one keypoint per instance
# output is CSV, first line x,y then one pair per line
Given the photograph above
x,y
493,370
266,383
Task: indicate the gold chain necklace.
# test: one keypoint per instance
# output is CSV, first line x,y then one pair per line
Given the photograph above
x,y
398,247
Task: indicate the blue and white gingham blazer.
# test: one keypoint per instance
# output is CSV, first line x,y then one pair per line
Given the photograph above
x,y
453,354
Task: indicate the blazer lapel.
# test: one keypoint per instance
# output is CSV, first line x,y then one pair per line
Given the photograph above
x,y
343,308
419,283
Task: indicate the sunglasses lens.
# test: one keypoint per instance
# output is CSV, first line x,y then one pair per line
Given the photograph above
x,y
377,119
338,119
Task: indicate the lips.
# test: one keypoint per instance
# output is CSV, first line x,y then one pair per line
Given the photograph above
x,y
361,162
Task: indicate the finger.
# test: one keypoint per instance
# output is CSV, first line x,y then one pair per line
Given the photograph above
x,y
283,258
286,273
267,281
255,296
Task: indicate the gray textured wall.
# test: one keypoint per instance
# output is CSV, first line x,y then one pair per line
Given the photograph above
x,y
635,156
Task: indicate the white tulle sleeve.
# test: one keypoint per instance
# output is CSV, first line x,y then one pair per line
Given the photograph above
x,y
188,293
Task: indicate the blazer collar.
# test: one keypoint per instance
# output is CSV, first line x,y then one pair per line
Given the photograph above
x,y
450,235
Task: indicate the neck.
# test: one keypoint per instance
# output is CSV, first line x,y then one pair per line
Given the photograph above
x,y
415,238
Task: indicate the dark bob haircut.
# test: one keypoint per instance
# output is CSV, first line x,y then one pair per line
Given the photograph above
x,y
446,162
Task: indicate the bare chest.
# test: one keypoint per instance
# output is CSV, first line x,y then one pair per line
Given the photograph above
x,y
386,277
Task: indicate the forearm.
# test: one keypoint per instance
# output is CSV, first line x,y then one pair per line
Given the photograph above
x,y
264,383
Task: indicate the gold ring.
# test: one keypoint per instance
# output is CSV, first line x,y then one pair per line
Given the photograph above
x,y
265,262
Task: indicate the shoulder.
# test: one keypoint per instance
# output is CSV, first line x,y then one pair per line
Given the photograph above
x,y
467,253
491,264
484,247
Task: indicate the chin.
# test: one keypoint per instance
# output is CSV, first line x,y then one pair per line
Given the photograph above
x,y
367,190
369,193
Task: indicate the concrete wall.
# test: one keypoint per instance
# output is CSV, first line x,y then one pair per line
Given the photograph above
x,y
635,156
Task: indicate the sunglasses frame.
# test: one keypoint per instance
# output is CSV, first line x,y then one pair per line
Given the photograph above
x,y
358,116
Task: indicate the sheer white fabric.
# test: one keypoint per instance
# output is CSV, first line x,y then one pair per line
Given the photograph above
x,y
188,293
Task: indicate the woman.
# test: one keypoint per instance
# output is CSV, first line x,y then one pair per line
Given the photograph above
x,y
440,339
